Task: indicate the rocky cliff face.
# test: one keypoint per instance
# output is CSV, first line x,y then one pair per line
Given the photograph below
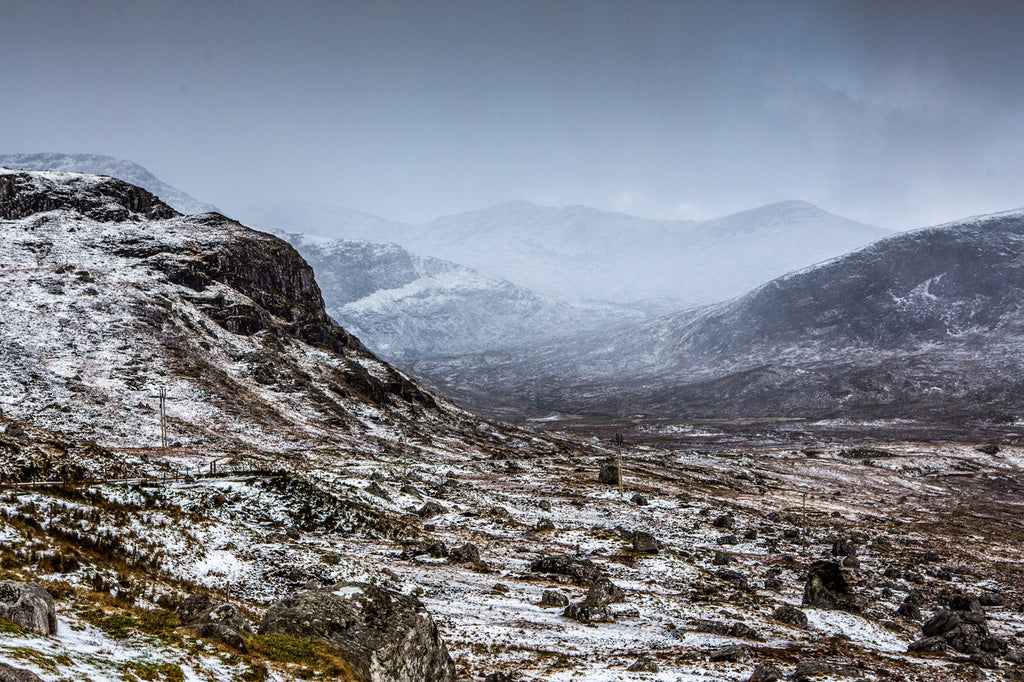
x,y
928,322
111,295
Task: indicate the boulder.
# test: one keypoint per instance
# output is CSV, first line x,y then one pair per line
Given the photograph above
x,y
766,671
467,552
29,606
645,543
963,629
9,673
604,591
430,509
199,608
588,613
791,615
581,571
733,653
554,598
639,500
228,636
827,588
609,474
936,644
383,635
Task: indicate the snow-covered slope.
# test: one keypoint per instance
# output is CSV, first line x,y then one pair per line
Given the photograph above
x,y
406,307
582,253
99,164
927,321
109,295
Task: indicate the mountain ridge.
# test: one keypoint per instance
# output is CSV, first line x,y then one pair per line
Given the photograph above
x,y
883,329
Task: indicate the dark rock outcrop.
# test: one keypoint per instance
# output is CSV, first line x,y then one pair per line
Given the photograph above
x,y
9,673
791,615
383,635
581,571
604,591
962,626
827,588
587,613
29,606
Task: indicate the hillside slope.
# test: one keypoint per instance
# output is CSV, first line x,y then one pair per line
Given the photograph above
x,y
920,323
109,295
407,307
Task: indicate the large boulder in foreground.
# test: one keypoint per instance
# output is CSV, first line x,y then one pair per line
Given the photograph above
x,y
385,636
29,606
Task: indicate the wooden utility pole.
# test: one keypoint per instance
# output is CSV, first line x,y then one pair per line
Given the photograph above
x,y
163,417
618,459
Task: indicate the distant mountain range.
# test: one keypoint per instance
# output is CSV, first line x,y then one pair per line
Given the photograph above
x,y
97,164
929,322
406,306
586,254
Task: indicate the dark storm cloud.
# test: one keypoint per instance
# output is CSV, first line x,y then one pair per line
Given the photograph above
x,y
900,114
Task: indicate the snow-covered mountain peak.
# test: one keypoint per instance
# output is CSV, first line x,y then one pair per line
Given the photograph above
x,y
98,164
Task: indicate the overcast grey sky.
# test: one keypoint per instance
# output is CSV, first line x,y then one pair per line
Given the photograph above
x,y
900,114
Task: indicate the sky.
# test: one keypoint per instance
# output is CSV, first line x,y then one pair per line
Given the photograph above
x,y
898,114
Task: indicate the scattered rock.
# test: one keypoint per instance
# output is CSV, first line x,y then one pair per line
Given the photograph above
x,y
988,449
826,588
843,547
588,613
721,558
640,501
645,543
29,606
609,474
11,674
984,660
375,489
991,599
810,668
909,611
545,505
15,430
554,598
733,653
581,571
604,591
734,577
467,552
724,521
936,644
766,671
430,509
228,636
499,677
501,588
791,615
544,524
199,608
383,635
644,664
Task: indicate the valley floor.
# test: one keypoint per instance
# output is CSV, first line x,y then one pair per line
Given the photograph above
x,y
926,519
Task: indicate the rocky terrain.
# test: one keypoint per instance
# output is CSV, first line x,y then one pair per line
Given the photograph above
x,y
316,514
925,325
